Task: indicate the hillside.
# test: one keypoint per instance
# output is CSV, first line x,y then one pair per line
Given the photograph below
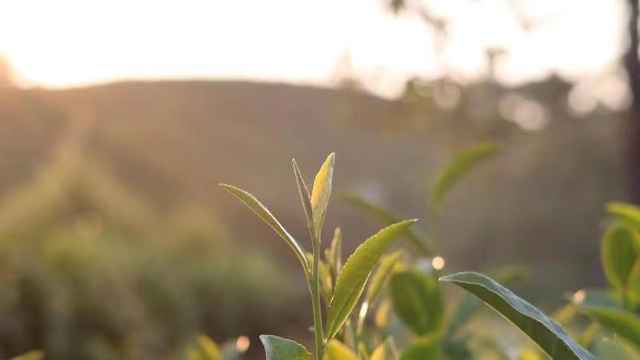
x,y
173,142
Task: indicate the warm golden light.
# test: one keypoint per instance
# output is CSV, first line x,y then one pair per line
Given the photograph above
x,y
242,344
579,297
75,42
438,263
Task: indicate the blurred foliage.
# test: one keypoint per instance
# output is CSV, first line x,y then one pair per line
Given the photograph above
x,y
89,270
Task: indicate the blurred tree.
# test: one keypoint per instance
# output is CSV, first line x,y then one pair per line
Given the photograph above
x,y
441,27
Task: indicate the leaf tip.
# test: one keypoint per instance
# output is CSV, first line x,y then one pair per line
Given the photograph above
x,y
331,159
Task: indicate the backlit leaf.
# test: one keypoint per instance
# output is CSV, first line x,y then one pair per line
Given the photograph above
x,y
278,348
385,351
469,304
551,338
382,273
626,212
333,255
417,239
264,213
624,324
322,192
335,350
356,271
208,348
306,200
620,252
457,168
417,300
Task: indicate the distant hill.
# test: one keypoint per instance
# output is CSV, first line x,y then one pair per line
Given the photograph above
x,y
173,142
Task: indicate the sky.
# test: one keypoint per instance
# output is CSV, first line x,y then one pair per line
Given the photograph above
x,y
79,42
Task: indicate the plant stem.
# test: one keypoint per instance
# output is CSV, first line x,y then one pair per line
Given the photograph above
x,y
315,300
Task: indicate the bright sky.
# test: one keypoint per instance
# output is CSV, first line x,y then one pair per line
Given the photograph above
x,y
76,42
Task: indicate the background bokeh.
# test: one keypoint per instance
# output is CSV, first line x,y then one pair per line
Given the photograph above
x,y
118,120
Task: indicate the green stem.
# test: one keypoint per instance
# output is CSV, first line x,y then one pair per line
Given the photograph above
x,y
315,300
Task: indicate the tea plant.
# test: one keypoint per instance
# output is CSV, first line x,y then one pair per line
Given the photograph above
x,y
614,310
351,278
417,297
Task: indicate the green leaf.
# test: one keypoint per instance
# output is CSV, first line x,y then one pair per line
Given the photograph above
x,y
385,351
306,200
321,193
626,212
551,338
469,304
612,349
417,239
387,263
335,350
206,349
623,323
333,255
262,212
356,271
457,168
417,300
620,252
278,348
426,348
31,355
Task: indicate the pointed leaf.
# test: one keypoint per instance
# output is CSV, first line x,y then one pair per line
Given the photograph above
x,y
626,212
335,350
469,305
387,263
455,170
417,239
356,271
207,349
262,212
418,301
278,348
333,255
551,338
306,200
623,323
322,192
620,252
385,351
